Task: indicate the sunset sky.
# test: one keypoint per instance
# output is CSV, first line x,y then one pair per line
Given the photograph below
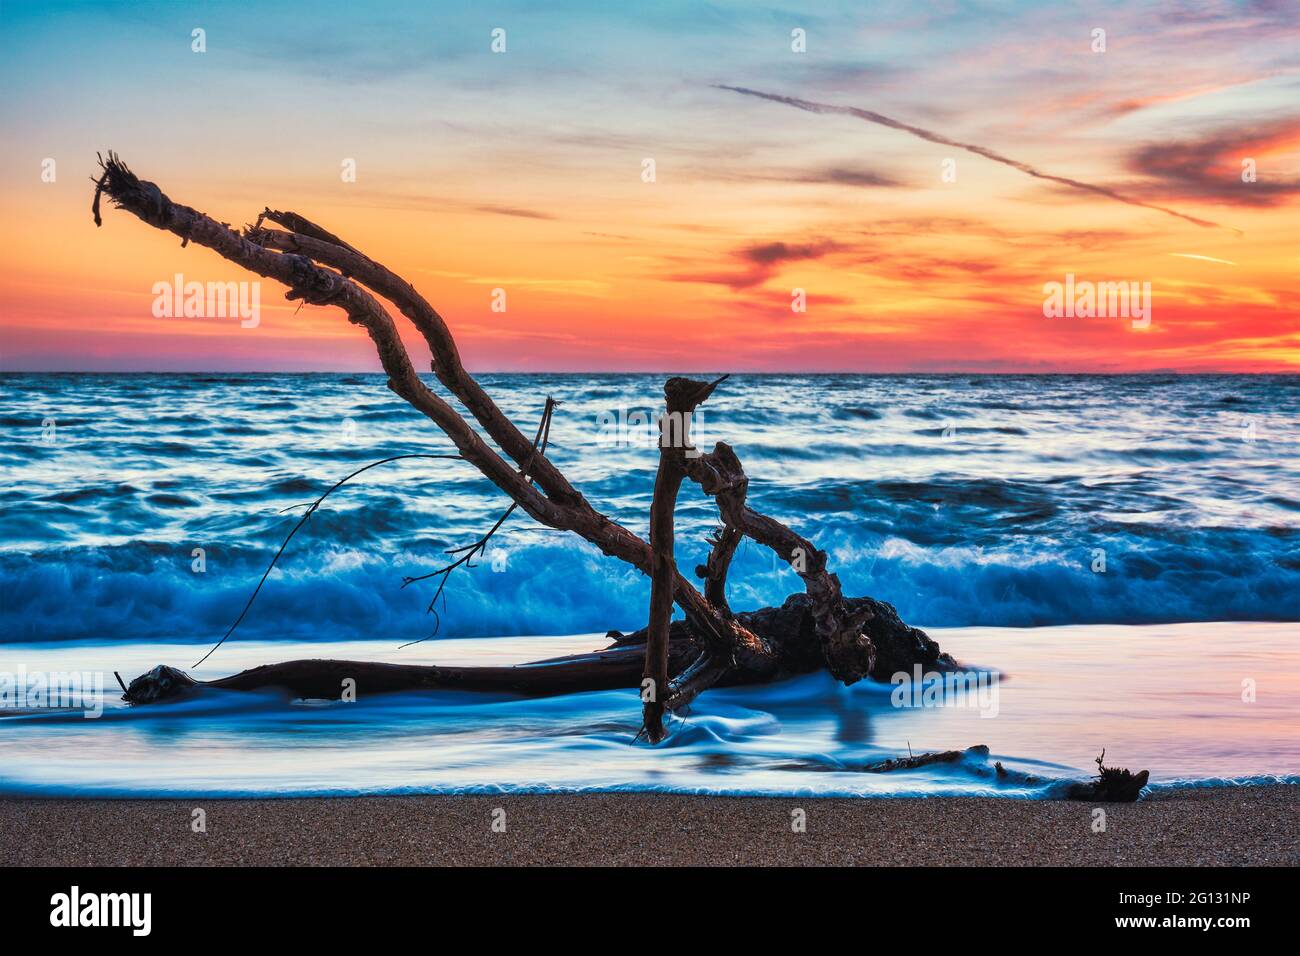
x,y
523,171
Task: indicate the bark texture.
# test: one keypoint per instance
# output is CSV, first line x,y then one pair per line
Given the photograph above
x,y
789,632
850,638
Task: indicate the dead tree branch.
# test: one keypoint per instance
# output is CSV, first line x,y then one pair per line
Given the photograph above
x,y
712,645
468,552
849,653
682,397
311,509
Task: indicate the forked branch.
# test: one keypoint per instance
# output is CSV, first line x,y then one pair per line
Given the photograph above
x,y
320,268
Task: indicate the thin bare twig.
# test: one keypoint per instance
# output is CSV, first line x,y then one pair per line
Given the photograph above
x,y
303,520
467,552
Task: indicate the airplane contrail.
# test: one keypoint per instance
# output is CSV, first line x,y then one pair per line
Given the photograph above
x,y
882,120
1192,255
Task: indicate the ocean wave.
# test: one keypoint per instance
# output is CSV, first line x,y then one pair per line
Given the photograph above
x,y
1193,515
808,734
560,586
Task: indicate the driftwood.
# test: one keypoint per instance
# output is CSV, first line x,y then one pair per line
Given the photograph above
x,y
788,631
672,662
1113,785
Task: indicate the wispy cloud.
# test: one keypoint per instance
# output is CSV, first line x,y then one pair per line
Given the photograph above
x,y
882,120
846,176
1210,168
758,262
515,211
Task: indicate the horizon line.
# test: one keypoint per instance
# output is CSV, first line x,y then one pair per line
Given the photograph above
x,y
381,373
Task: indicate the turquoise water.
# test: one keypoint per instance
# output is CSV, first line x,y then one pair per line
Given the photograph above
x,y
1167,698
979,506
1188,484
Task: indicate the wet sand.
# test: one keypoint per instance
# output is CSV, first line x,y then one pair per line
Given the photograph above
x,y
1256,826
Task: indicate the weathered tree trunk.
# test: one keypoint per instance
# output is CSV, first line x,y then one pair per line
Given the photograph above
x,y
789,631
712,645
682,396
668,482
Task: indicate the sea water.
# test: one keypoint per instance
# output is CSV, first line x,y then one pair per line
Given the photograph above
x,y
1119,553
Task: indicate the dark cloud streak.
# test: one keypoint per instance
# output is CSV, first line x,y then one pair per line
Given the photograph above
x,y
882,120
772,253
515,211
759,263
843,176
1208,168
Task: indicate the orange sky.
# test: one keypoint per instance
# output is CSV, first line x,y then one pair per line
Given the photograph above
x,y
523,171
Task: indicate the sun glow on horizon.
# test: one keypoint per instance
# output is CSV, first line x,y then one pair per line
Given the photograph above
x,y
525,172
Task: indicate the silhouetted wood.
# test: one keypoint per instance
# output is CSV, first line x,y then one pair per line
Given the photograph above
x,y
682,396
1113,785
789,632
712,645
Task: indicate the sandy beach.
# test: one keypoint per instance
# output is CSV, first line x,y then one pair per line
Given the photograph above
x,y
1255,826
